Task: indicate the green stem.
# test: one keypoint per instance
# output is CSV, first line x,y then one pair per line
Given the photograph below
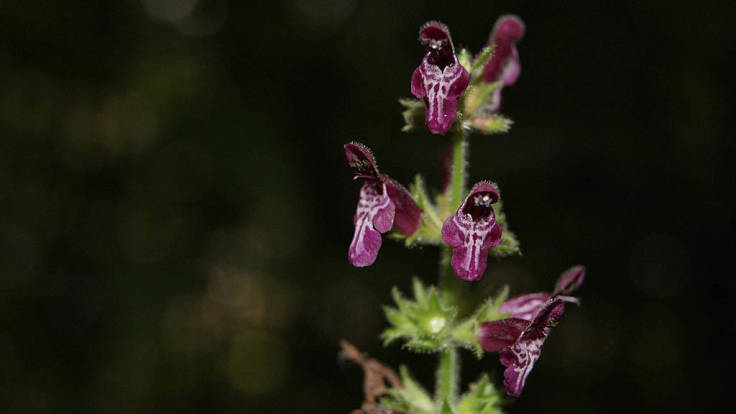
x,y
447,378
459,163
448,372
450,285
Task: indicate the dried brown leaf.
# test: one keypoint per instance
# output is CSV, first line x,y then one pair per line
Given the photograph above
x,y
376,376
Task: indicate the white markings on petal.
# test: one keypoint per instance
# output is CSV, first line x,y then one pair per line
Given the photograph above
x,y
525,353
437,84
366,239
474,234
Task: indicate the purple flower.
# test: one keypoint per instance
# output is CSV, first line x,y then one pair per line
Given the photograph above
x,y
472,231
504,66
521,336
383,204
525,306
440,79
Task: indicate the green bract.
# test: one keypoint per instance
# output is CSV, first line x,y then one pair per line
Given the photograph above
x,y
412,398
424,323
483,398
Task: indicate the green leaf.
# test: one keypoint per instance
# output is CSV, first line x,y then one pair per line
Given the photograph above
x,y
415,394
488,311
418,191
446,409
430,225
500,299
483,398
464,335
426,234
412,398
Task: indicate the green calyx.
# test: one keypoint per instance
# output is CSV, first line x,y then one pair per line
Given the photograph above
x,y
413,114
424,322
509,245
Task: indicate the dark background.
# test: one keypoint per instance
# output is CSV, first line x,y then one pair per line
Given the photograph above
x,y
176,208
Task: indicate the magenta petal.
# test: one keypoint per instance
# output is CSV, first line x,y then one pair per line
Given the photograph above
x,y
524,306
519,358
440,89
440,79
548,316
508,29
374,215
472,231
408,212
361,159
496,335
383,202
504,64
417,84
511,69
570,280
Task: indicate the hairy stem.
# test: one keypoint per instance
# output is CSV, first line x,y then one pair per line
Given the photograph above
x,y
459,164
447,378
448,373
450,285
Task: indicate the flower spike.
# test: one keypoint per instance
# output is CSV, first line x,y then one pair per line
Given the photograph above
x,y
504,66
440,79
383,204
472,231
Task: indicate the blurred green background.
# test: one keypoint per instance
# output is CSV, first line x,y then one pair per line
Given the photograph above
x,y
176,208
